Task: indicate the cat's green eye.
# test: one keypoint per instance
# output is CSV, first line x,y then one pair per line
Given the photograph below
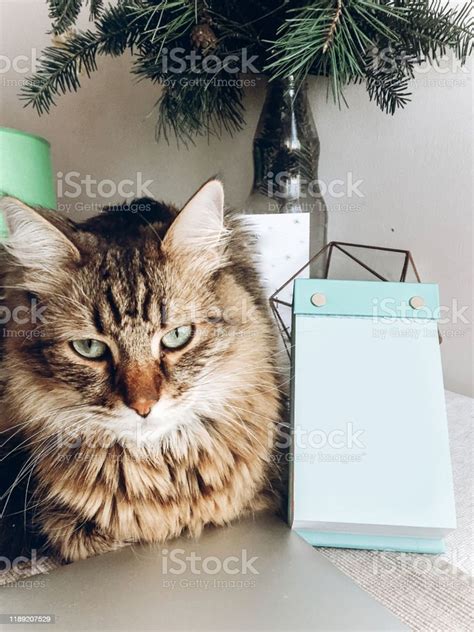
x,y
177,338
90,348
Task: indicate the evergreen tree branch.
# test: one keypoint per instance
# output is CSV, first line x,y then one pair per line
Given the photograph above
x,y
95,9
342,34
59,70
118,28
64,13
437,28
377,42
333,27
187,111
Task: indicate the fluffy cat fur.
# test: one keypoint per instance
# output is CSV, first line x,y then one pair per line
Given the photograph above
x,y
82,472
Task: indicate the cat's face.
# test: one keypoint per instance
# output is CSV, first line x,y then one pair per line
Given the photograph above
x,y
142,338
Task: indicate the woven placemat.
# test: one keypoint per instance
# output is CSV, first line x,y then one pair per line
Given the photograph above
x,y
428,592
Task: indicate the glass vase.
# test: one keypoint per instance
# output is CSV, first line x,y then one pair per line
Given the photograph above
x,y
286,156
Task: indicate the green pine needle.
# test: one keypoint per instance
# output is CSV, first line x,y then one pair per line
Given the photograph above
x,y
375,42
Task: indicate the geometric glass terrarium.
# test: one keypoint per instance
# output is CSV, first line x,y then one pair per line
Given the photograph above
x,y
343,260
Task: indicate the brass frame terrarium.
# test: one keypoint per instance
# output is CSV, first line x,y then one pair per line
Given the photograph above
x,y
326,253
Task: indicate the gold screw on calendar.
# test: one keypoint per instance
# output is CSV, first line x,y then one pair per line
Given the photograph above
x,y
318,299
417,302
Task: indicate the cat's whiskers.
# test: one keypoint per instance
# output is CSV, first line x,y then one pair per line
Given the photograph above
x,y
41,457
250,427
48,438
13,434
30,466
30,463
269,383
232,422
36,456
43,427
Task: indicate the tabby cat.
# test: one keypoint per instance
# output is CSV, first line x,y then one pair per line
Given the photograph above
x,y
140,392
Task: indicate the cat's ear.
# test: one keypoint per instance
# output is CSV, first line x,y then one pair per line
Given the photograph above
x,y
37,243
199,229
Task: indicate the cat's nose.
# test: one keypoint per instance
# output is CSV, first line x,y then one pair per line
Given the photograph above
x,y
139,386
143,406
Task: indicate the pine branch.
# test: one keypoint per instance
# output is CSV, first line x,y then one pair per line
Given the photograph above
x,y
95,9
342,33
59,71
387,80
333,27
378,42
60,67
119,28
339,41
437,28
187,111
63,14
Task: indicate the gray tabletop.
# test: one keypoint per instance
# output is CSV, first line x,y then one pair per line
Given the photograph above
x,y
254,575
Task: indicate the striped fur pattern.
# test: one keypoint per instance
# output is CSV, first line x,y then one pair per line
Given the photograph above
x,y
91,472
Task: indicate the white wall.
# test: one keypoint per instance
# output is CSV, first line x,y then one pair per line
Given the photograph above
x,y
416,167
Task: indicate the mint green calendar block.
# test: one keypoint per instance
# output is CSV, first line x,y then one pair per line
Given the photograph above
x,y
370,463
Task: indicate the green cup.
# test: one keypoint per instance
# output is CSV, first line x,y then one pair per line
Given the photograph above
x,y
25,170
